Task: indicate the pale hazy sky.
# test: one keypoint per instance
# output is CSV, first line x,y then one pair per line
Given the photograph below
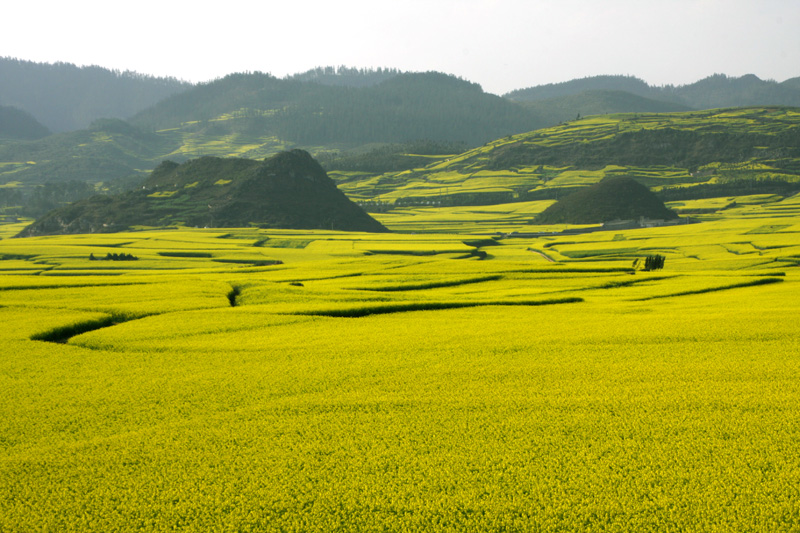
x,y
500,44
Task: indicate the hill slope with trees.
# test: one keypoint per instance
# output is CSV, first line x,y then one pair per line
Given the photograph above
x,y
288,190
403,107
706,152
598,102
619,198
65,97
389,124
20,125
714,91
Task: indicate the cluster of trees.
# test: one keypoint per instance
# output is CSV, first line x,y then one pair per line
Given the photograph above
x,y
651,262
346,76
114,257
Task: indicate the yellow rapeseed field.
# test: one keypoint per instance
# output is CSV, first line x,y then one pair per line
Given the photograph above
x,y
268,380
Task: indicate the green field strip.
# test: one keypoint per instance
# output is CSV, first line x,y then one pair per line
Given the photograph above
x,y
26,287
62,334
429,285
362,311
754,283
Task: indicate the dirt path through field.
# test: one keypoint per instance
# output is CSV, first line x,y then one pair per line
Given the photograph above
x,y
544,255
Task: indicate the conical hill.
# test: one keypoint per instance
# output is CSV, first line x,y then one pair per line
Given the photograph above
x,y
611,199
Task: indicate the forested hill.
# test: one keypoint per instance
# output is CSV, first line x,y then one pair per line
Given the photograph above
x,y
598,102
714,91
403,107
65,97
18,124
346,76
628,84
288,190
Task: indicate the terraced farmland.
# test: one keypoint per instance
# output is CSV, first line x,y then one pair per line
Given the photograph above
x,y
267,380
659,150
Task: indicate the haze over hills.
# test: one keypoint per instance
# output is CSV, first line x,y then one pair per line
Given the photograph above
x,y
403,107
20,125
346,76
288,190
257,115
65,97
598,102
363,123
714,91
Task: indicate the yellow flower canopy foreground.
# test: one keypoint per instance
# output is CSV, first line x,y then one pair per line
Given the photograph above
x,y
265,380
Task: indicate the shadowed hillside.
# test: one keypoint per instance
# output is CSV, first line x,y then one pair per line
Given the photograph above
x,y
289,190
18,124
65,97
612,199
403,107
598,102
714,91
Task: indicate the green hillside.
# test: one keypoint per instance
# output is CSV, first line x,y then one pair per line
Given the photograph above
x,y
716,148
627,84
612,199
18,124
65,97
598,102
714,91
256,116
403,107
288,190
362,136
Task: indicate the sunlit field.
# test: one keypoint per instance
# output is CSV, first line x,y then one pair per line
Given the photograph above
x,y
468,379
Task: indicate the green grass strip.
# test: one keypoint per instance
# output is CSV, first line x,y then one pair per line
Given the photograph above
x,y
196,255
71,285
426,306
63,334
431,285
762,281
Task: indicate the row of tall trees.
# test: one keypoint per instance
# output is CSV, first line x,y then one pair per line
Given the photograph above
x,y
651,262
346,76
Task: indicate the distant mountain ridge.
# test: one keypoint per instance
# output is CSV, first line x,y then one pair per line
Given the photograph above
x,y
401,108
65,97
715,91
347,117
346,76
